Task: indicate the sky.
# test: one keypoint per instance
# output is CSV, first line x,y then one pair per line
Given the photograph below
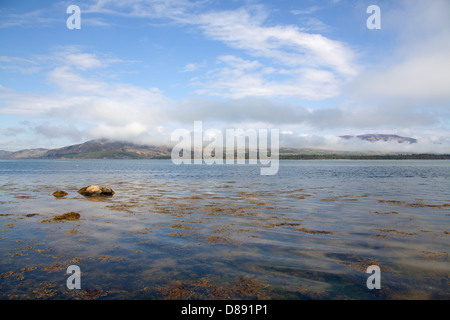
x,y
137,70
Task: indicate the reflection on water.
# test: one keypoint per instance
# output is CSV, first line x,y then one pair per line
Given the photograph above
x,y
220,232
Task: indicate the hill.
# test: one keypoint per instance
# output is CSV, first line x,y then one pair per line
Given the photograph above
x,y
23,154
106,149
93,149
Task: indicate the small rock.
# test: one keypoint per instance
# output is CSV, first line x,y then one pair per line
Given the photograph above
x,y
90,191
59,194
70,216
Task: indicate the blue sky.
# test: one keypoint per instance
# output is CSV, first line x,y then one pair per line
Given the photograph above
x,y
139,69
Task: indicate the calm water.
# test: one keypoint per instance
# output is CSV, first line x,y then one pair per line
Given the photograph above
x,y
218,232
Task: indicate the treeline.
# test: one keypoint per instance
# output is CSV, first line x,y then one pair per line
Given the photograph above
x,y
425,156
116,154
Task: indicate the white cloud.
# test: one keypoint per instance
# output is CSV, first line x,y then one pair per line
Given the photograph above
x,y
249,30
28,19
7,59
116,110
18,64
239,78
83,61
305,11
124,111
66,79
317,65
285,44
51,131
190,67
418,77
141,8
418,71
425,143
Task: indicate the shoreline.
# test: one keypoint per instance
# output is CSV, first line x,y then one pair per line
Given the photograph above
x,y
281,158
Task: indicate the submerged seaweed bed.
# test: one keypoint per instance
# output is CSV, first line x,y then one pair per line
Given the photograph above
x,y
203,232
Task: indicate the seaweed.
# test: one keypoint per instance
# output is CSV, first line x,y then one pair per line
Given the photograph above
x,y
204,289
314,231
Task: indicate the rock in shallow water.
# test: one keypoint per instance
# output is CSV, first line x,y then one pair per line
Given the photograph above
x,y
70,216
59,194
67,216
90,191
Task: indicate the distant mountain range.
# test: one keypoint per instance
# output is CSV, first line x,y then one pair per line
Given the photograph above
x,y
106,149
